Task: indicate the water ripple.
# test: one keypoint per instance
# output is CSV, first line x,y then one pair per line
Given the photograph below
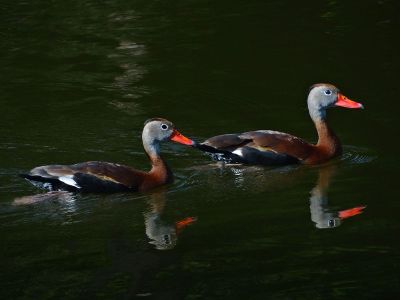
x,y
357,155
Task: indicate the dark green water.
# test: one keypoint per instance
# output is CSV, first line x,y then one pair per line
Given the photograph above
x,y
78,79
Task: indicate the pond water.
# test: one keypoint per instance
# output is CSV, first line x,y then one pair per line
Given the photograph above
x,y
79,78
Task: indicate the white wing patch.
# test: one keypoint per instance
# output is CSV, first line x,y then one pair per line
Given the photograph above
x,y
238,152
68,179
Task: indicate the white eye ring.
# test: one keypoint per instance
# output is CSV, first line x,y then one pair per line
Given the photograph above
x,y
327,92
164,126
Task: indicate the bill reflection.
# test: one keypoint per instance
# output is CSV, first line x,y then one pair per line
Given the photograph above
x,y
321,214
163,235
260,180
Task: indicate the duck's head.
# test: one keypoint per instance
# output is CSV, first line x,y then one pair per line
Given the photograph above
x,y
158,130
325,95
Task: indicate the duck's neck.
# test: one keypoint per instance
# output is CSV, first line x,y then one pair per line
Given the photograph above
x,y
159,168
328,142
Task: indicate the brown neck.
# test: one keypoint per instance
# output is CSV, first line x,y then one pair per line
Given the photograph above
x,y
160,170
328,142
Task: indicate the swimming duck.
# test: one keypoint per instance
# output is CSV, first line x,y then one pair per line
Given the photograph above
x,y
98,176
268,147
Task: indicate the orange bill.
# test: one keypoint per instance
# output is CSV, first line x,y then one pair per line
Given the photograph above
x,y
343,101
179,138
344,214
184,223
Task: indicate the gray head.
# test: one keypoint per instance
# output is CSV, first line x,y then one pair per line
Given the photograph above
x,y
158,130
321,97
325,95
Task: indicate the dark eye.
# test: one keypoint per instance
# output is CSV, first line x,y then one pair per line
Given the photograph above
x,y
327,92
164,126
331,223
167,240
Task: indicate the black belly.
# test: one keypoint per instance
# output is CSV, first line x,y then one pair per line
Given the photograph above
x,y
249,155
87,183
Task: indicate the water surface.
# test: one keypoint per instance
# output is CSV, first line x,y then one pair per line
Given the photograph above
x,y
79,78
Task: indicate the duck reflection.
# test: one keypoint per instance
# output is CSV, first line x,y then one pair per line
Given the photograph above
x,y
163,235
321,214
260,179
54,196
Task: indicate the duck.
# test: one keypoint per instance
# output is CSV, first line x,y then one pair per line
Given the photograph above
x,y
99,176
269,147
